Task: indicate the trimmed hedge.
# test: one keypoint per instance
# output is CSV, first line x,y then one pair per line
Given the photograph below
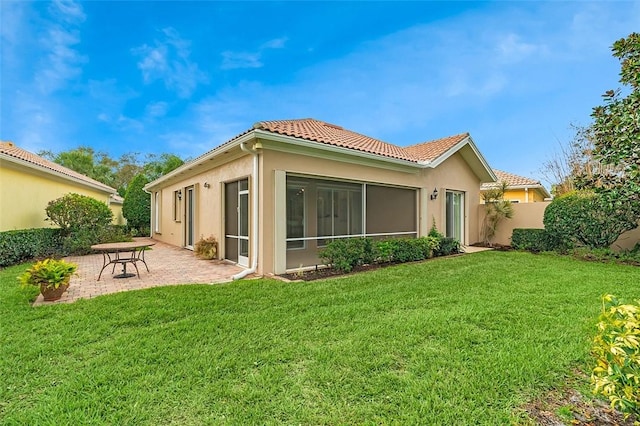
x,y
344,254
27,244
533,239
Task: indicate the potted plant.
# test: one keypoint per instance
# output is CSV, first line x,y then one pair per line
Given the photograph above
x,y
206,248
51,275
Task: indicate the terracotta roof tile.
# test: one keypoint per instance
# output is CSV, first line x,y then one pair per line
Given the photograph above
x,y
511,180
11,150
330,134
428,151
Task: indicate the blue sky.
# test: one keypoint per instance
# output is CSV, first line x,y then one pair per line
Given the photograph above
x,y
183,77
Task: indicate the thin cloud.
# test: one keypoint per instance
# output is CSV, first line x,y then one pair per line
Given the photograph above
x,y
169,60
234,60
156,109
63,62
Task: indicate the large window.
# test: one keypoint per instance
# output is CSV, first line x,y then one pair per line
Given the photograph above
x,y
320,210
295,216
339,210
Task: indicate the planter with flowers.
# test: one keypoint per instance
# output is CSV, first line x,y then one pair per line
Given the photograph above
x,y
51,275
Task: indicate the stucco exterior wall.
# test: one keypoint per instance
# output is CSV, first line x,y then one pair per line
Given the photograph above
x,y
275,161
208,203
25,193
523,196
525,215
453,174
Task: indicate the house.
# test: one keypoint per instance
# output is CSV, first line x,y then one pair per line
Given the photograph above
x,y
28,182
276,193
520,189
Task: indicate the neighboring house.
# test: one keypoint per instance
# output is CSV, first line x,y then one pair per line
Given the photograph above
x,y
115,203
28,182
279,191
520,189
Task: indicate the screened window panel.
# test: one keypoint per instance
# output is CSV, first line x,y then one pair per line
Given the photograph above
x,y
391,210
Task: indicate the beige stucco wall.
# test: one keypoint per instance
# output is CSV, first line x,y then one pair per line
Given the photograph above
x,y
209,211
525,215
453,174
25,193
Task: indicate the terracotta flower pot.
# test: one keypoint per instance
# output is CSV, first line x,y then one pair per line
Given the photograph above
x,y
51,294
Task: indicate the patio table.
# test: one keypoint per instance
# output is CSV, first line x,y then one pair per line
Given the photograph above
x,y
121,254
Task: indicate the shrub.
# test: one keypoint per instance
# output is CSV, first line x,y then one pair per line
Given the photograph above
x,y
447,246
136,207
74,211
588,219
532,239
27,244
346,253
617,351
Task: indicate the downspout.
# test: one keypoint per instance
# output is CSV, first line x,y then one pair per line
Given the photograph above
x,y
254,208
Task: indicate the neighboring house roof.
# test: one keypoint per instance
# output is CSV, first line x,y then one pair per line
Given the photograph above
x,y
116,199
10,152
426,154
515,182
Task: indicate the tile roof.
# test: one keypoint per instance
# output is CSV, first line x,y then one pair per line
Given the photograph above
x,y
511,180
331,134
428,151
11,150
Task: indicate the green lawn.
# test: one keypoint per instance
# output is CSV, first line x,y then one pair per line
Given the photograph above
x,y
462,340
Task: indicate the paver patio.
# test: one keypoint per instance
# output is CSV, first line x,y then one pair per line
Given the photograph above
x,y
168,265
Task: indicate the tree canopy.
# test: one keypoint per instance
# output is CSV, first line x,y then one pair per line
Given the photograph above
x,y
616,131
115,173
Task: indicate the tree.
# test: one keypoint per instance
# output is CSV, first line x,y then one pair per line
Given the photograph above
x,y
573,160
496,210
587,218
85,160
159,165
136,207
616,131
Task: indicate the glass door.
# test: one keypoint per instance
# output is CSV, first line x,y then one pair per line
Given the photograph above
x,y
190,218
237,222
455,215
243,226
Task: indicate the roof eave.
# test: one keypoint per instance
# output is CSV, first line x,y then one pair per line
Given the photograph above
x,y
485,173
101,187
334,149
217,151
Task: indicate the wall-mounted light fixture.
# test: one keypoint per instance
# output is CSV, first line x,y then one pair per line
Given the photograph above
x,y
180,194
206,185
434,194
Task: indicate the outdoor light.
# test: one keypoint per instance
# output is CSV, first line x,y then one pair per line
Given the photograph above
x,y
180,194
206,185
434,194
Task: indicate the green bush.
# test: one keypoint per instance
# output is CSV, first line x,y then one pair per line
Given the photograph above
x,y
617,350
532,239
447,246
344,254
27,244
587,219
136,207
413,249
74,211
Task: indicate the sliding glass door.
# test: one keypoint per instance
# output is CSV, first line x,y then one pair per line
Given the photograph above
x,y
455,215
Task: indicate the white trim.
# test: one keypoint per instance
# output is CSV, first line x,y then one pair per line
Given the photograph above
x,y
332,237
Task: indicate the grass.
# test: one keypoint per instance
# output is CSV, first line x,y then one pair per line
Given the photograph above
x,y
462,340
